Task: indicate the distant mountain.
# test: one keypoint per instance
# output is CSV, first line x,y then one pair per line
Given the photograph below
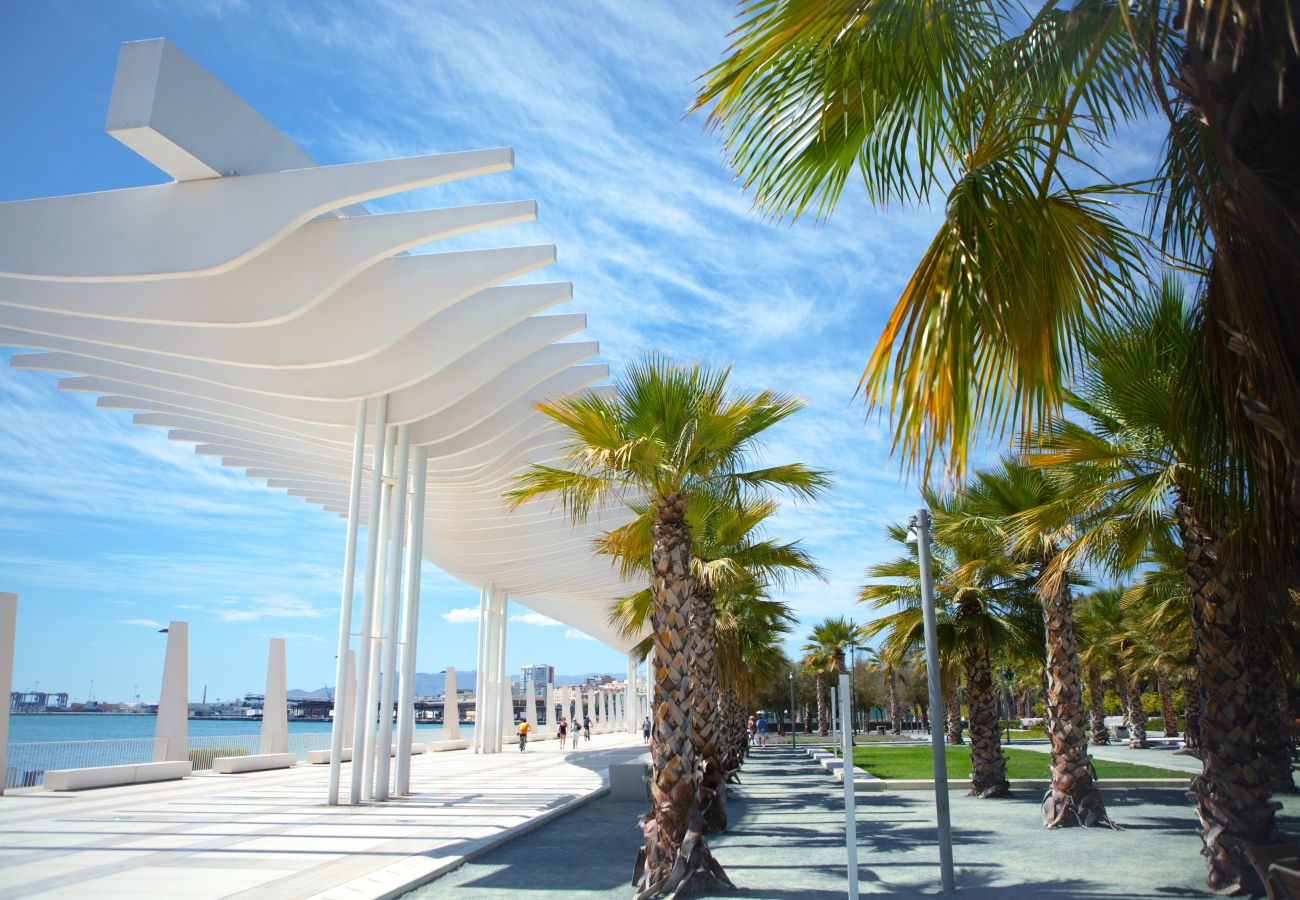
x,y
429,684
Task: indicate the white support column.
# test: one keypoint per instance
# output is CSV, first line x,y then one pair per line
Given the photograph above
x,y
392,609
363,720
8,630
275,712
343,700
506,721
450,707
370,759
550,708
480,671
609,711
171,728
491,690
411,625
347,712
629,697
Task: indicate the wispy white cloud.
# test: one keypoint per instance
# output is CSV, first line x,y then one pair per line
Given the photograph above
x,y
279,606
574,634
531,618
462,616
144,623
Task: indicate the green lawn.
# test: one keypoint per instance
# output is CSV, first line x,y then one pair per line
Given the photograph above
x,y
914,762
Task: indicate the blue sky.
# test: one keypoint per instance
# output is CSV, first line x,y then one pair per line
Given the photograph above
x,y
106,528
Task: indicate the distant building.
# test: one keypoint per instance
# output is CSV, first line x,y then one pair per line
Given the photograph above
x,y
597,680
538,674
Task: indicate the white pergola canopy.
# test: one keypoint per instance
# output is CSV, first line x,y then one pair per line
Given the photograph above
x,y
250,305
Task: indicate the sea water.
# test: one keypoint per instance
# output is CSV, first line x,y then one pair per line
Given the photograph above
x,y
45,727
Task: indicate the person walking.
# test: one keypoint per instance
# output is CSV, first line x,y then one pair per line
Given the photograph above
x,y
586,727
562,731
645,730
523,735
762,731
749,730
577,731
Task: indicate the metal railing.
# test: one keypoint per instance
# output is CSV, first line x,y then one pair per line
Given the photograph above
x,y
27,763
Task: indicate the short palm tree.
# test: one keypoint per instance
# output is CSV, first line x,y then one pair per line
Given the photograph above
x,y
890,666
827,646
982,594
669,435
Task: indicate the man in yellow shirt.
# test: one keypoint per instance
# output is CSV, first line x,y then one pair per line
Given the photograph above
x,y
523,735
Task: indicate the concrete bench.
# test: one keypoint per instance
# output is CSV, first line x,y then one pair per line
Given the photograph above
x,y
443,746
255,762
630,781
322,757
111,776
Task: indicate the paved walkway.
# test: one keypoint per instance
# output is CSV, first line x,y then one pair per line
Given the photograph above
x,y
269,834
787,840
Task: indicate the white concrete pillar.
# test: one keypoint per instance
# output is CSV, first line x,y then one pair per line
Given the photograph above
x,y
370,757
550,708
507,720
348,712
341,724
275,712
629,697
609,712
450,708
8,631
392,610
411,620
480,671
363,719
171,728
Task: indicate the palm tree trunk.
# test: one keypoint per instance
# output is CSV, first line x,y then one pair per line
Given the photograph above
x,y
1073,797
1192,696
1137,717
1272,730
1166,702
1231,797
1097,706
895,711
675,854
704,709
952,709
1121,688
822,728
988,763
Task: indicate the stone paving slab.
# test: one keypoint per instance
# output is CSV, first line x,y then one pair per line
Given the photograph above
x,y
270,834
786,840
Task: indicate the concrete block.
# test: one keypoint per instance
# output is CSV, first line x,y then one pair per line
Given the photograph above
x,y
112,776
255,762
630,781
442,746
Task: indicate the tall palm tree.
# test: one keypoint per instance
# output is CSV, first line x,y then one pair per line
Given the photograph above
x,y
889,665
1022,507
728,557
981,592
669,435
1152,455
827,646
1098,622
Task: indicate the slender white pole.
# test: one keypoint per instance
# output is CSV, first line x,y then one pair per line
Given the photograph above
x,y
171,728
850,813
392,608
506,705
341,684
491,697
480,670
364,718
410,629
8,629
371,762
834,706
922,524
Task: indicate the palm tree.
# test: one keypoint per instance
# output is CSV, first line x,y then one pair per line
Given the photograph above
x,y
826,647
1152,455
669,435
1098,620
982,592
1020,505
889,665
727,558
750,659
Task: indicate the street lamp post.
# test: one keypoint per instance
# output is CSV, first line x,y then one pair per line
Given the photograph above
x,y
918,532
794,737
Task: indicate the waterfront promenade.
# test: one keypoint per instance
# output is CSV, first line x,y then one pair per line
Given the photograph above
x,y
270,834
